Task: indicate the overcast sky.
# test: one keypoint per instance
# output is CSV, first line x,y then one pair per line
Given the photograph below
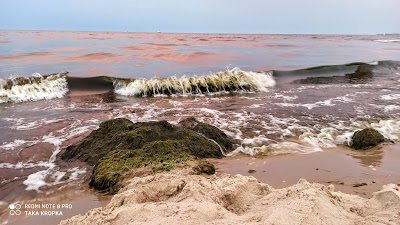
x,y
205,16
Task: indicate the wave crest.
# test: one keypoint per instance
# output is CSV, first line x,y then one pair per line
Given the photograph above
x,y
36,87
234,80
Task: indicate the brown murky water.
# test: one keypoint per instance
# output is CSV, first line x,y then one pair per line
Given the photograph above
x,y
290,123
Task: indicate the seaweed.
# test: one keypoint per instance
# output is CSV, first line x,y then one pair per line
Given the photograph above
x,y
119,146
366,138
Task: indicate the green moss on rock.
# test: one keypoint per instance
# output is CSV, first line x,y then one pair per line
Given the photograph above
x,y
100,141
366,138
123,134
204,167
118,146
209,131
160,155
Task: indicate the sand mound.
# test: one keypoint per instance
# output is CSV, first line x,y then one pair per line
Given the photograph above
x,y
182,198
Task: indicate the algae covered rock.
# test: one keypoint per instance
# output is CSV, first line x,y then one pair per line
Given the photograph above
x,y
100,141
123,134
366,138
204,167
209,131
161,155
119,145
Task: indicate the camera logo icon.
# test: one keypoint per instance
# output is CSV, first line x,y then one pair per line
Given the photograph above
x,y
15,209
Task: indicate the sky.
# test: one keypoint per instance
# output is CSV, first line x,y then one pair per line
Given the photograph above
x,y
205,16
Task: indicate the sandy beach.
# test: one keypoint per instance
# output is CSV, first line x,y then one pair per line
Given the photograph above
x,y
180,197
356,175
336,186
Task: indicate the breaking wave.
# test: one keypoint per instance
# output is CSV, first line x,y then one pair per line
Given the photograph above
x,y
36,87
234,80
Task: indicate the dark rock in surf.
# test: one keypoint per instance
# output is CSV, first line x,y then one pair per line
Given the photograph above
x,y
366,138
251,171
209,131
123,134
118,146
204,167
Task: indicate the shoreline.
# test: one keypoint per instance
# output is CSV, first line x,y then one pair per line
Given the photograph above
x,y
340,166
355,172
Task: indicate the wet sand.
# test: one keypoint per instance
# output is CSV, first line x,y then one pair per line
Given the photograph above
x,y
81,199
342,167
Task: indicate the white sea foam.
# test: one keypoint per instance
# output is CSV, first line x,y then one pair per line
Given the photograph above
x,y
327,138
52,176
231,80
285,97
75,172
21,165
390,97
388,41
33,88
12,145
386,108
20,123
389,108
330,137
388,128
259,140
42,178
36,180
328,102
280,148
255,106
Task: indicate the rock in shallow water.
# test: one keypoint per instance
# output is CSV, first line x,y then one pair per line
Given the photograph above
x,y
366,138
119,146
209,131
204,167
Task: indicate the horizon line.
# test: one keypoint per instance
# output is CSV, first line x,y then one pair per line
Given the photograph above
x,y
161,32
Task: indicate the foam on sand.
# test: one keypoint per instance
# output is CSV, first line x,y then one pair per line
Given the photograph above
x,y
234,80
178,197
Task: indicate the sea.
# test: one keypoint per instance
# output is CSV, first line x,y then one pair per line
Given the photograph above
x,y
272,94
